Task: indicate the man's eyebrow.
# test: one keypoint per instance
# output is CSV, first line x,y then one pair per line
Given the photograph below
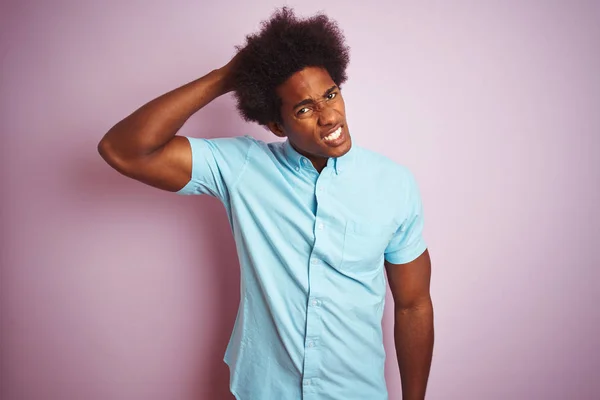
x,y
310,101
331,89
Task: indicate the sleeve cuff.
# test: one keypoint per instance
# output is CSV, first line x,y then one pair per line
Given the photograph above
x,y
406,255
189,188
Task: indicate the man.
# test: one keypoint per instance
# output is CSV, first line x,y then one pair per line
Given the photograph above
x,y
315,219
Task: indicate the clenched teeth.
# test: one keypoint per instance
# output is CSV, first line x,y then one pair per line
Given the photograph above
x,y
333,135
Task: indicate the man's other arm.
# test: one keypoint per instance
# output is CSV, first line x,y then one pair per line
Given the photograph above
x,y
413,323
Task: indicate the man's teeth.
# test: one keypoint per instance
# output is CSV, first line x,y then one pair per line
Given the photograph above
x,y
333,135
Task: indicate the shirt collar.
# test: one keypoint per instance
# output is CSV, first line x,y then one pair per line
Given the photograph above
x,y
298,161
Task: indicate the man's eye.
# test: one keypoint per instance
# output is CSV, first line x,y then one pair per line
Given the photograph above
x,y
302,111
331,96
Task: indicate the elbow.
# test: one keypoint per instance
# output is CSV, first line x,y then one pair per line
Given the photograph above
x,y
421,304
109,154
106,151
103,149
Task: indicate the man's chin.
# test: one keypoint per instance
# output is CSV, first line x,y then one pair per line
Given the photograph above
x,y
340,150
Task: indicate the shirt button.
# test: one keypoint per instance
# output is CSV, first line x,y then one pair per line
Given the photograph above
x,y
307,382
321,226
314,261
314,303
297,168
311,344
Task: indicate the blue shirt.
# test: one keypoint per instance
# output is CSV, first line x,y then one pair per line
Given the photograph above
x,y
311,248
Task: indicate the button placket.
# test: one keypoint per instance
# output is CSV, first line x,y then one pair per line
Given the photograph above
x,y
312,357
317,265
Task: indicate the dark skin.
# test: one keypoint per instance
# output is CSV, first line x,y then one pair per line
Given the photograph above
x,y
144,146
313,107
413,323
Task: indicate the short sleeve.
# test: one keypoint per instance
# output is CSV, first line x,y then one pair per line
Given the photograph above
x,y
407,243
217,164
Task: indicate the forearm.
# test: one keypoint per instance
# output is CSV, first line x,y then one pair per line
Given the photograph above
x,y
414,337
157,122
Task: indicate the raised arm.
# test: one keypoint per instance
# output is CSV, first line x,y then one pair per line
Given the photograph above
x,y
143,146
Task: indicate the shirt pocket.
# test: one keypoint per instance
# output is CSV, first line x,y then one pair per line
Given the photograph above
x,y
364,245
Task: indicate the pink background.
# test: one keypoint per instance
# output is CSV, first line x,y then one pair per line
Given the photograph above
x,y
113,290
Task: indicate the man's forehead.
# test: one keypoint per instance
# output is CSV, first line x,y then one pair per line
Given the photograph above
x,y
311,82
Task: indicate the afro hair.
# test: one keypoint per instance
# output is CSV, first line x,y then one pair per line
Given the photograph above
x,y
284,46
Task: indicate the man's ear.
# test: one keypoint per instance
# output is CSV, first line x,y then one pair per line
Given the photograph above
x,y
276,128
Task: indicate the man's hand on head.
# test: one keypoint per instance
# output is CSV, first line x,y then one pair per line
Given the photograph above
x,y
228,72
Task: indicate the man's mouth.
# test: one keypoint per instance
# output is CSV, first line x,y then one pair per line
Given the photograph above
x,y
333,135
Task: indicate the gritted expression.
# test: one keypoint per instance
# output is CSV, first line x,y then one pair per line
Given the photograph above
x,y
313,116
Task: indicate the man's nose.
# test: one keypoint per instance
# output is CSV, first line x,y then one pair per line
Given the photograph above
x,y
326,115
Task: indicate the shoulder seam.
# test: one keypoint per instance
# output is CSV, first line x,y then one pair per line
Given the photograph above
x,y
235,183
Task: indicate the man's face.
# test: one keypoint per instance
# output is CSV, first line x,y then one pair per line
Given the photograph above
x,y
313,115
